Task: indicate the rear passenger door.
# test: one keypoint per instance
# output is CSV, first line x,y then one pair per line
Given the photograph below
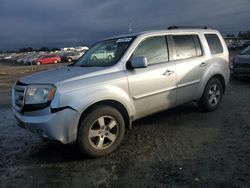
x,y
189,60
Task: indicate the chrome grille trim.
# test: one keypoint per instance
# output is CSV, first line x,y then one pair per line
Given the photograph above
x,y
19,95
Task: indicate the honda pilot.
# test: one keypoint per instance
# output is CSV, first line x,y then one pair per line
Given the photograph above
x,y
93,101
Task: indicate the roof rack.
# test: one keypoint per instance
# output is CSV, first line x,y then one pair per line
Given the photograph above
x,y
188,27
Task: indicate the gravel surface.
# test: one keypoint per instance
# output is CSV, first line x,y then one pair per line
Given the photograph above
x,y
180,147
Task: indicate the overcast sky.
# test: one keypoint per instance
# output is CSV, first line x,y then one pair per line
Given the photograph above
x,y
59,23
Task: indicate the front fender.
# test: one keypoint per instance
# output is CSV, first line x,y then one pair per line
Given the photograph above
x,y
81,99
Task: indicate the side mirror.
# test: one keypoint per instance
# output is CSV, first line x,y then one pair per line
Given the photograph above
x,y
139,62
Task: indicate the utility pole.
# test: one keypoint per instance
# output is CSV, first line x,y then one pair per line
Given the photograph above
x,y
130,28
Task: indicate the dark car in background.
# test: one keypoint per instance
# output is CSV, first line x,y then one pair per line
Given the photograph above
x,y
240,65
47,59
246,44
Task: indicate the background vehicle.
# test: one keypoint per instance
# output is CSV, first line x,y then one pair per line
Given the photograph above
x,y
246,44
47,59
234,43
71,56
102,54
91,102
240,66
31,58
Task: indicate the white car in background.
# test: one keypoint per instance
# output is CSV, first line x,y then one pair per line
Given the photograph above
x,y
102,54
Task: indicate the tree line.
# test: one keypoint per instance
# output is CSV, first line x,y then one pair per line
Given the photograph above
x,y
245,35
42,49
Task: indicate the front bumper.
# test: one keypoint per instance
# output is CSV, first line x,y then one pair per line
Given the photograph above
x,y
60,126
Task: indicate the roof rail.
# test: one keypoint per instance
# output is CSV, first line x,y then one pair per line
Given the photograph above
x,y
188,27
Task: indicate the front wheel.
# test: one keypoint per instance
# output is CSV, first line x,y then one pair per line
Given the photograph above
x,y
101,131
212,95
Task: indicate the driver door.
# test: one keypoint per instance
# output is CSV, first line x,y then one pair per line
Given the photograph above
x,y
152,88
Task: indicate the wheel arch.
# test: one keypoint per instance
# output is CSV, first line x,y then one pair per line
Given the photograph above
x,y
214,73
221,78
112,103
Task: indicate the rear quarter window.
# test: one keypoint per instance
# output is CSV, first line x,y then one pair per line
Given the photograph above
x,y
214,43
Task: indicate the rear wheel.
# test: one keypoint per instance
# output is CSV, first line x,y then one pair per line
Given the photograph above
x,y
38,63
101,131
212,95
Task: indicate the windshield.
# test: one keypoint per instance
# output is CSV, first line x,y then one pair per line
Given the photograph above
x,y
246,51
105,53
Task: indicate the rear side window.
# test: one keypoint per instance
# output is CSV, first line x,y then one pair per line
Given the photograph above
x,y
214,43
186,46
154,49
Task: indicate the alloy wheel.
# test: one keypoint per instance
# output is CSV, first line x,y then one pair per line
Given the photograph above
x,y
103,132
214,95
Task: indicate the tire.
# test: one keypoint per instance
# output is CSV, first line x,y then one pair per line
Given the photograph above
x,y
56,61
38,63
212,95
69,60
101,131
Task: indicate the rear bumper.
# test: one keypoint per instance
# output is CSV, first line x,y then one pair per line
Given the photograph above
x,y
60,126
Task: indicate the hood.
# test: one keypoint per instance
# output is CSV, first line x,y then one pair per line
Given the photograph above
x,y
60,74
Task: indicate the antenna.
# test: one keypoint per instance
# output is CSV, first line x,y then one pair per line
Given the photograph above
x,y
130,28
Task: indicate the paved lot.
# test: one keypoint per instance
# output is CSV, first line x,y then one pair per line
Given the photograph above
x,y
180,147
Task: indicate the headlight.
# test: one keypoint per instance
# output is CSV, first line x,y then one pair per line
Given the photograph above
x,y
39,94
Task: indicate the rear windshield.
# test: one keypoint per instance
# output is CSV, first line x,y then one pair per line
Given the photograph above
x,y
214,43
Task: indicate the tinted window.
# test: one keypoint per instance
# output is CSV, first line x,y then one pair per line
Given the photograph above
x,y
185,46
214,43
154,49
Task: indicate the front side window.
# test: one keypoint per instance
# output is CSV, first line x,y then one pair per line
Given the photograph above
x,y
186,46
154,49
214,43
105,53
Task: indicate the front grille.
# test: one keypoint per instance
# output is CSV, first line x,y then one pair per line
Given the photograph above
x,y
19,94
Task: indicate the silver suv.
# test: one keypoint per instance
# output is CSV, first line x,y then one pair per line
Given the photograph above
x,y
94,100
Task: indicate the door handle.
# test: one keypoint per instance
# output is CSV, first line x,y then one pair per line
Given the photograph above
x,y
168,73
203,64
